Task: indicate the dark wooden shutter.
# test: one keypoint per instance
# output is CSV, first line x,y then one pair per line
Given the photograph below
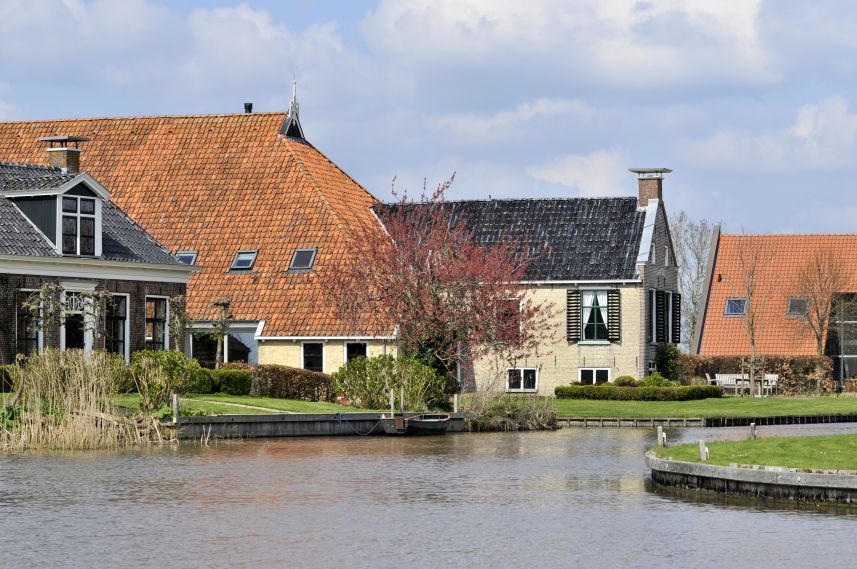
x,y
660,328
573,315
676,312
614,316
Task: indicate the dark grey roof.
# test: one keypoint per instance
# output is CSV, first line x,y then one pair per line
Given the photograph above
x,y
572,239
122,239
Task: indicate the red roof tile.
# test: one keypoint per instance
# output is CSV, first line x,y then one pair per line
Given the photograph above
x,y
217,184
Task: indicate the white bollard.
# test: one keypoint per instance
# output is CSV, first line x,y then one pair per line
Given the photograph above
x,y
703,450
455,402
661,439
753,431
175,405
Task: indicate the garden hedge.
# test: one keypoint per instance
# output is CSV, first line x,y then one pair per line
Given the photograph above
x,y
291,383
233,381
797,374
611,392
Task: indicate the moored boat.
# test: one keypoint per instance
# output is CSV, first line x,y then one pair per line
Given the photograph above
x,y
421,424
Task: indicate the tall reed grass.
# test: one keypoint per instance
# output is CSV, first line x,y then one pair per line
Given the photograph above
x,y
66,401
497,411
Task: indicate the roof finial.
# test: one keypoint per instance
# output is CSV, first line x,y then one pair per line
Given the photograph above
x,y
291,126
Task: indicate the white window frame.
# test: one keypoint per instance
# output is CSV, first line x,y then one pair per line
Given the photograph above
x,y
88,324
253,252
192,254
735,314
127,296
522,389
166,320
345,349
323,346
595,371
96,216
294,269
40,333
583,339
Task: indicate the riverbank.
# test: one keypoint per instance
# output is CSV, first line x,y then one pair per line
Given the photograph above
x,y
225,404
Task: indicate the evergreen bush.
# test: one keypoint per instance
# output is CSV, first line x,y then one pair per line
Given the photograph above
x,y
645,393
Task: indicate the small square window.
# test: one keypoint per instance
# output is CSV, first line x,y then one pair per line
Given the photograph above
x,y
244,260
186,257
69,205
302,260
736,307
87,206
798,306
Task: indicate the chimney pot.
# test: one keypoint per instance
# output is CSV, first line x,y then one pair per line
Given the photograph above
x,y
651,184
248,108
64,152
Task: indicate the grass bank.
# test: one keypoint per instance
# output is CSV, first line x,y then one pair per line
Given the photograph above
x,y
705,408
224,404
837,452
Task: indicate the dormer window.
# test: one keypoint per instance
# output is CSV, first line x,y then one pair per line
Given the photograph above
x,y
243,261
78,225
302,260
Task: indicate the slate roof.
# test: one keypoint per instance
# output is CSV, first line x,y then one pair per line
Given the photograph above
x,y
217,184
122,239
783,257
573,239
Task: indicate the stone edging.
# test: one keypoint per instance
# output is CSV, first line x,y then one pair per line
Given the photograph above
x,y
772,482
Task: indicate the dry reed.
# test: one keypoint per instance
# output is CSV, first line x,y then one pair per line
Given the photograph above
x,y
496,411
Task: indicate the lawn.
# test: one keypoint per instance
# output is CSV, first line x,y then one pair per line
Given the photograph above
x,y
725,407
219,404
825,452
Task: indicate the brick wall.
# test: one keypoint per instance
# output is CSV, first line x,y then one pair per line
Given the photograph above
x,y
137,291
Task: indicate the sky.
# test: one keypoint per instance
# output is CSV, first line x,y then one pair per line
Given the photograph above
x,y
752,103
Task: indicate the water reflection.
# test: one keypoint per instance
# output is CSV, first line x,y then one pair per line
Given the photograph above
x,y
579,497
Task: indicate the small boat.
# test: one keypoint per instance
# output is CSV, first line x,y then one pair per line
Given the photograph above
x,y
420,424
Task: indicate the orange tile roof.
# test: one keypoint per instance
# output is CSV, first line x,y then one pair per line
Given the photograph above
x,y
783,257
217,184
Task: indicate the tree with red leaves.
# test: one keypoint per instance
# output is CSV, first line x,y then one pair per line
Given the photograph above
x,y
422,278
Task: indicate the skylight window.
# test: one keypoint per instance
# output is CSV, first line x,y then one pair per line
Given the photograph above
x,y
736,307
186,257
302,260
798,306
244,260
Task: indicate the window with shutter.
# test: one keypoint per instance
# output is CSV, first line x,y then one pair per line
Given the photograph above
x,y
676,312
573,315
614,315
660,324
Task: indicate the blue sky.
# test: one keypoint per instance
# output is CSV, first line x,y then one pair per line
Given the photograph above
x,y
753,104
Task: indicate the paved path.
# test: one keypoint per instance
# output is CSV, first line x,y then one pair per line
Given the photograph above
x,y
267,409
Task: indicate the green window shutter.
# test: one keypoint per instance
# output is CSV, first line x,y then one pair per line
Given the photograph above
x,y
676,339
660,320
573,315
614,315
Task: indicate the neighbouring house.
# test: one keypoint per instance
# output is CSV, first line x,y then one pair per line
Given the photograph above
x,y
247,199
59,225
791,276
607,264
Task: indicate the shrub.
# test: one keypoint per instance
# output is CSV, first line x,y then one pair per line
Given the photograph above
x,y
291,383
368,381
655,379
232,381
8,378
625,381
200,382
158,373
668,360
645,393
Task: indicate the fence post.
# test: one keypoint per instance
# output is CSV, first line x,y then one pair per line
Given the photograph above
x,y
660,436
753,431
703,450
175,406
455,403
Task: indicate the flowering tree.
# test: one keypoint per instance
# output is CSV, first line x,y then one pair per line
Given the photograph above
x,y
422,278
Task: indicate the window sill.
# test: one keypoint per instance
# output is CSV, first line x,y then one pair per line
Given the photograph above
x,y
594,342
522,391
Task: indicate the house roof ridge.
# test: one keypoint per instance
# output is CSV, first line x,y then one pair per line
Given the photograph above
x,y
130,117
488,200
307,175
781,235
335,165
31,166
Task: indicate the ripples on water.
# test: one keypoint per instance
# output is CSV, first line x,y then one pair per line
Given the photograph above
x,y
574,498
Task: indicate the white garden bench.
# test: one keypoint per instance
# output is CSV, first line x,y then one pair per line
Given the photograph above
x,y
736,381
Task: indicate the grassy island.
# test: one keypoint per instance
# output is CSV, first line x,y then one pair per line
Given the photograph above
x,y
833,452
707,408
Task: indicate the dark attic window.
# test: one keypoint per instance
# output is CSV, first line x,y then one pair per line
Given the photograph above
x,y
798,306
302,260
244,260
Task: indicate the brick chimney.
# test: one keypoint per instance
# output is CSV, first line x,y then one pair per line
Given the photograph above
x,y
651,184
64,152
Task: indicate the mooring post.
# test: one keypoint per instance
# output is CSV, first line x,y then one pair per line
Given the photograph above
x,y
753,431
703,450
175,406
662,437
392,403
402,398
455,402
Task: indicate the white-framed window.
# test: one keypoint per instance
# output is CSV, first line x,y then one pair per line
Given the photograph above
x,y
29,336
593,306
798,306
78,225
355,350
522,379
593,375
652,367
302,260
186,257
312,356
735,307
244,260
76,326
157,318
117,325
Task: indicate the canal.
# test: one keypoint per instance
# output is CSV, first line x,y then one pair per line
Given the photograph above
x,y
573,498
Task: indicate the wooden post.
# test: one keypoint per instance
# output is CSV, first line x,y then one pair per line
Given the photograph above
x,y
660,436
175,406
402,398
703,450
753,431
392,403
455,403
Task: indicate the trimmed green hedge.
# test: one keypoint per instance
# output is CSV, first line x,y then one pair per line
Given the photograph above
x,y
611,392
291,383
8,376
232,380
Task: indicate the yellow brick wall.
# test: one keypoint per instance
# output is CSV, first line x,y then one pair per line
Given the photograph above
x,y
288,352
558,362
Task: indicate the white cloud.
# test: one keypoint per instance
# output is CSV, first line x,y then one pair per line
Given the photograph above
x,y
507,122
822,136
597,174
